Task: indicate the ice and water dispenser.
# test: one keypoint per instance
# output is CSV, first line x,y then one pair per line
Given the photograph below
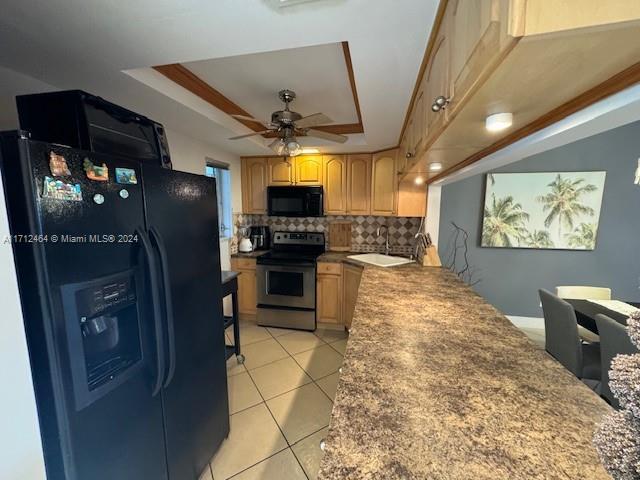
x,y
102,322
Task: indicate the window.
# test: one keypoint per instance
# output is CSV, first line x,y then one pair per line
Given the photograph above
x,y
220,171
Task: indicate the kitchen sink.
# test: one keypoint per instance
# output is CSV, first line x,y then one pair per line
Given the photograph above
x,y
380,260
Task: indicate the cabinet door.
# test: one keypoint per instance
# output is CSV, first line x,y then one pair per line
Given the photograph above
x,y
475,36
280,171
437,83
329,302
384,186
254,185
359,184
351,276
247,292
417,135
335,184
412,198
308,170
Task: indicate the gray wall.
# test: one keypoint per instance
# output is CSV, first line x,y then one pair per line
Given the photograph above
x,y
510,278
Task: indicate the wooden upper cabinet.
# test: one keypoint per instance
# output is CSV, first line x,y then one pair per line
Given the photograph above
x,y
254,185
477,34
335,184
384,186
308,170
412,198
418,135
437,83
359,184
280,171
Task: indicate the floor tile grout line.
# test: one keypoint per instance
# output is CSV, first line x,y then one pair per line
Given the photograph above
x,y
264,401
283,393
277,425
316,383
263,460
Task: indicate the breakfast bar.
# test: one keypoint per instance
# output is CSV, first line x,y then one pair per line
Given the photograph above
x,y
438,384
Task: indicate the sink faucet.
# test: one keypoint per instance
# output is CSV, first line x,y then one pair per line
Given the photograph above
x,y
386,237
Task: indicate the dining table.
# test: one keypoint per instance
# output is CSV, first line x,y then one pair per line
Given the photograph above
x,y
586,311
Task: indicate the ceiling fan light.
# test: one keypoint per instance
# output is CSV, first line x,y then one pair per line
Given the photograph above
x,y
293,147
280,148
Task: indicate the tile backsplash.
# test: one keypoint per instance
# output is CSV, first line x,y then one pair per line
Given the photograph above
x,y
402,230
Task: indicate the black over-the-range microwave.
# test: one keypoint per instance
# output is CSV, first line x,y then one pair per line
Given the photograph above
x,y
78,119
295,201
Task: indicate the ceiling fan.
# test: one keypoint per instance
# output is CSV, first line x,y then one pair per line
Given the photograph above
x,y
288,125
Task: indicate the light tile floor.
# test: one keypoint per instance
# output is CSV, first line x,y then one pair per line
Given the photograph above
x,y
280,403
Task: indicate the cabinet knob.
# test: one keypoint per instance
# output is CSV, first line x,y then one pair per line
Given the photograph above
x,y
440,103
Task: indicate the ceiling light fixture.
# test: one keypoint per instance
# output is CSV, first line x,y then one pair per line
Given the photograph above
x,y
498,122
288,147
419,180
435,166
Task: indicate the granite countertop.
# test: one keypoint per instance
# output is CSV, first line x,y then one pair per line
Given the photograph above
x,y
438,384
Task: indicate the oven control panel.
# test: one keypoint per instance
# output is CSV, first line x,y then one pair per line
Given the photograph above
x,y
298,238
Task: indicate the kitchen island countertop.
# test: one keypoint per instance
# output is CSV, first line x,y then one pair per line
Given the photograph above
x,y
438,384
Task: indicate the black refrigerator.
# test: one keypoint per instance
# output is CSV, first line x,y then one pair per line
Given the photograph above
x,y
118,266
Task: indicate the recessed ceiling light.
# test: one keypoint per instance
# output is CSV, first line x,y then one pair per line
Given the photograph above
x,y
435,166
310,150
499,121
419,180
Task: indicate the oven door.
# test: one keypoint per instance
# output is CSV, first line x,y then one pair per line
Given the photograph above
x,y
286,286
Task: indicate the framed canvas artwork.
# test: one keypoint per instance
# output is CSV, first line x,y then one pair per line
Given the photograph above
x,y
559,210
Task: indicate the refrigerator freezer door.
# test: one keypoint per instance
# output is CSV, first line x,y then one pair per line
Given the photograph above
x,y
88,327
182,219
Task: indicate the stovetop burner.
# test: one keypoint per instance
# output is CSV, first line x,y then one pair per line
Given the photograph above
x,y
294,248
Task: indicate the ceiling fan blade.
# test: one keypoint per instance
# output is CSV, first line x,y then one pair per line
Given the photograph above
x,y
249,135
249,119
333,137
313,120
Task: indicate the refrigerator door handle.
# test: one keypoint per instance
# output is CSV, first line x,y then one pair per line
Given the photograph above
x,y
157,309
164,261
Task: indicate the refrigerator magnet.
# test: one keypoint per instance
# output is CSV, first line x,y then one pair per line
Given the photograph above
x,y
124,193
96,172
61,191
58,165
126,176
98,198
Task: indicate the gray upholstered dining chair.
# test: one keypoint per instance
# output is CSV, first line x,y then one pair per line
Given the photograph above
x,y
563,342
614,339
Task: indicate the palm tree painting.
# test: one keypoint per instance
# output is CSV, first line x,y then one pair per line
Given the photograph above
x,y
539,239
504,222
543,210
583,237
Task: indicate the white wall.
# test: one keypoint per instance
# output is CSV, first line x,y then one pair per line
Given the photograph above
x,y
21,455
432,224
188,155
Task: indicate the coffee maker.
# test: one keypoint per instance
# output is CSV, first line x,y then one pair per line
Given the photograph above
x,y
260,237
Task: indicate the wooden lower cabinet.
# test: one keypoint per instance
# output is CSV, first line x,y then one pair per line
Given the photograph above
x,y
337,291
351,275
329,293
247,299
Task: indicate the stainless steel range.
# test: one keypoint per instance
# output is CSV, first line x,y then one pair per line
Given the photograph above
x,y
286,281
